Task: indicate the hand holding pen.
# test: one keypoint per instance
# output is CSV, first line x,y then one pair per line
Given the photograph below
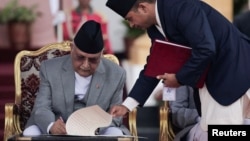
x,y
58,127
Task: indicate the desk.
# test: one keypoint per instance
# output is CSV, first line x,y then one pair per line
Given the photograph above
x,y
69,138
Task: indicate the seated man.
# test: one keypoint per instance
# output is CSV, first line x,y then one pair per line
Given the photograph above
x,y
184,113
83,78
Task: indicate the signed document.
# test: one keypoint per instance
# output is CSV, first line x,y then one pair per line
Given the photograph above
x,y
85,121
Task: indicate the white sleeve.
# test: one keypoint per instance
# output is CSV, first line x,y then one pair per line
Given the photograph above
x,y
130,103
50,125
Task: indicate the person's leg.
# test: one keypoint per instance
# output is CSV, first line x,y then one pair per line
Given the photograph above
x,y
197,134
214,113
247,107
111,131
32,130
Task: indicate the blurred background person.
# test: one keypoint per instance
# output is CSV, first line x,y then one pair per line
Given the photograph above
x,y
82,13
184,112
242,20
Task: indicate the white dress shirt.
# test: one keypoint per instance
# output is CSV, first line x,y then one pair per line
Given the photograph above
x,y
81,85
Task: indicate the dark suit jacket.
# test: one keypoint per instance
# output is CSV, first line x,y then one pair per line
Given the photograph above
x,y
215,42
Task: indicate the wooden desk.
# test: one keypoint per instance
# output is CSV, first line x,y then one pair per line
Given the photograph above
x,y
69,138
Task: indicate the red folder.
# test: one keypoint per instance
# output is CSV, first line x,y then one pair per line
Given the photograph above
x,y
167,57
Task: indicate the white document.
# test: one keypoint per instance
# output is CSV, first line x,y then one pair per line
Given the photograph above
x,y
169,94
85,121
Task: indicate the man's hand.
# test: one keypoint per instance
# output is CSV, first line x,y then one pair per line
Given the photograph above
x,y
58,127
169,80
118,111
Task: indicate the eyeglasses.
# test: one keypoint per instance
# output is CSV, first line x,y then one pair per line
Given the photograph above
x,y
92,60
80,56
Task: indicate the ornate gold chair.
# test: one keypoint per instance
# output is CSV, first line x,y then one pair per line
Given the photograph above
x,y
139,115
26,75
166,129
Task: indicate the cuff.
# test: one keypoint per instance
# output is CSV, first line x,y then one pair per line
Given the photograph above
x,y
130,103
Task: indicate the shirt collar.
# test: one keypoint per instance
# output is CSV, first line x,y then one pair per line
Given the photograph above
x,y
157,16
158,25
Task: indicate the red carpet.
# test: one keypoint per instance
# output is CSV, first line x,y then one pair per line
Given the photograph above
x,y
7,88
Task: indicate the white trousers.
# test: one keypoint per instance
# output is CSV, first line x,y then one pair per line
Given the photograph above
x,y
214,113
33,130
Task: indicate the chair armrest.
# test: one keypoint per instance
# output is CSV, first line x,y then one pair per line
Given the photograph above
x,y
166,130
12,123
132,123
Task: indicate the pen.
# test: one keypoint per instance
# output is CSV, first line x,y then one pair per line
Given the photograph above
x,y
61,119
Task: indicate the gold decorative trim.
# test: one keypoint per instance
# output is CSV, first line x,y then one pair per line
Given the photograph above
x,y
8,128
166,131
125,139
65,46
132,123
112,57
24,138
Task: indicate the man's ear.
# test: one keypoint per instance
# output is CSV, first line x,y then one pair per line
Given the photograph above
x,y
143,7
72,46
